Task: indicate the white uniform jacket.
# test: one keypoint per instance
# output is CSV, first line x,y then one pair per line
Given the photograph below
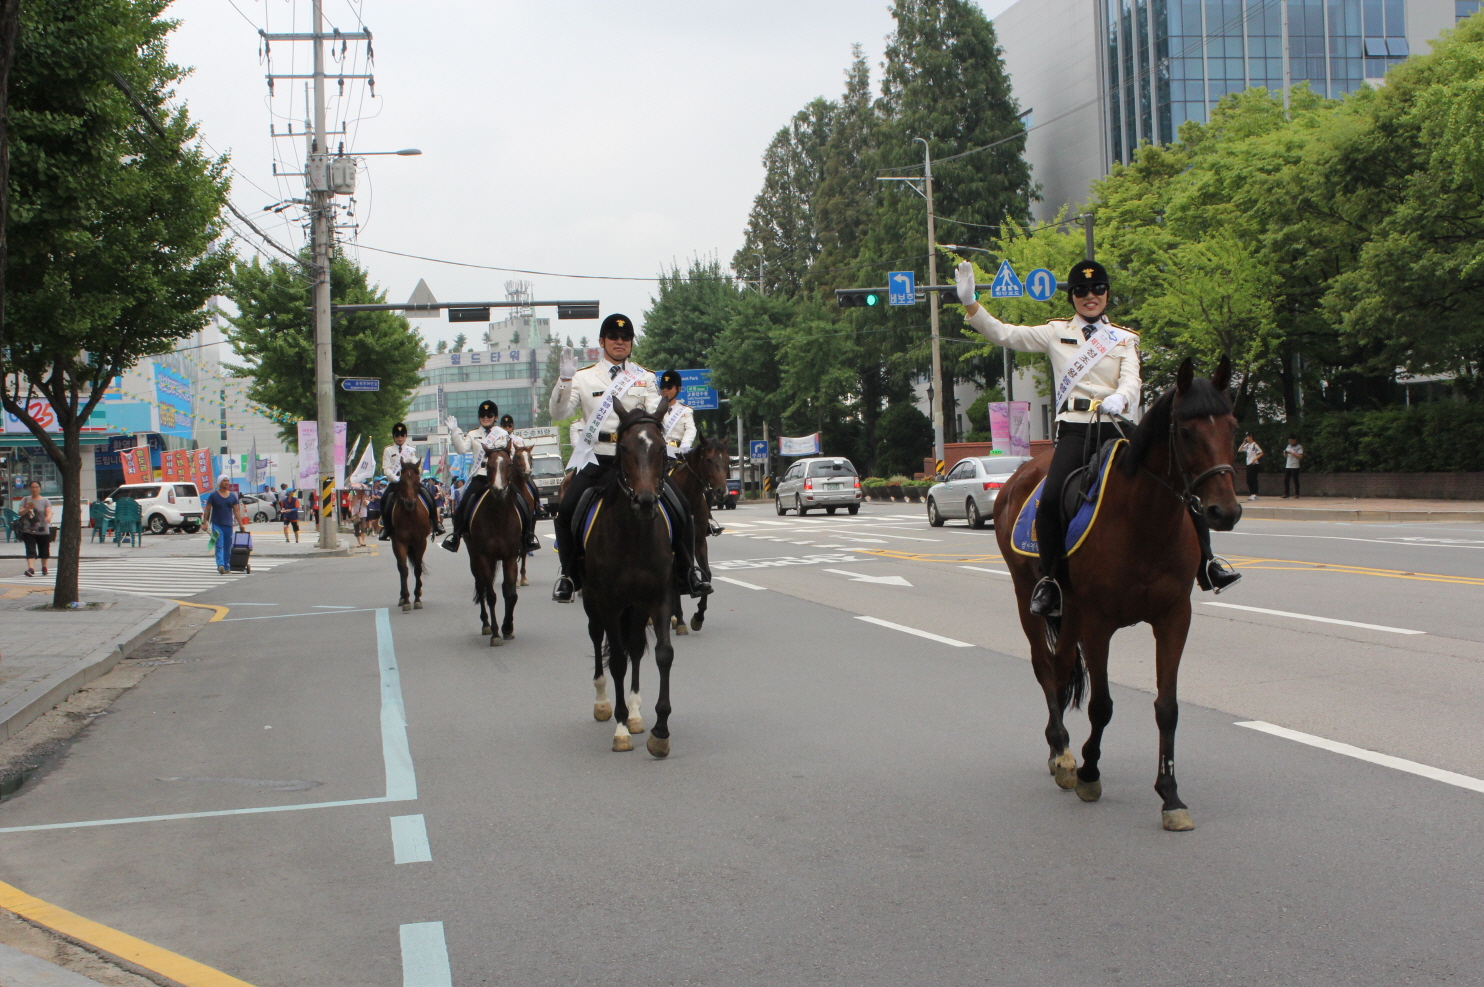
x,y
681,437
465,442
586,390
395,455
1062,340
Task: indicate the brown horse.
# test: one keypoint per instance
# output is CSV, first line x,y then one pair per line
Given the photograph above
x,y
628,577
411,527
1136,565
494,542
698,474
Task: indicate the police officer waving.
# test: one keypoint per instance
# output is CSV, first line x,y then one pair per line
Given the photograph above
x,y
399,452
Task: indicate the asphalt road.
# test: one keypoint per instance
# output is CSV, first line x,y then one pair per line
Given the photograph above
x,y
846,802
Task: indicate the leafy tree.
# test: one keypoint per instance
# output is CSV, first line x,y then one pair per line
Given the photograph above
x,y
781,227
274,335
904,438
683,322
112,214
459,342
442,346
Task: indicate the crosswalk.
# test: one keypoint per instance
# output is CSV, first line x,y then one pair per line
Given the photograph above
x,y
164,577
840,531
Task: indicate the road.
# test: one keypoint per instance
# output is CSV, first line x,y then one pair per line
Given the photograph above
x,y
847,802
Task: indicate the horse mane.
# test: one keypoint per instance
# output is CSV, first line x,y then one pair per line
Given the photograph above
x,y
1200,399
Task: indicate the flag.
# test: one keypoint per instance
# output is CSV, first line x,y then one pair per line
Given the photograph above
x,y
366,468
253,481
428,460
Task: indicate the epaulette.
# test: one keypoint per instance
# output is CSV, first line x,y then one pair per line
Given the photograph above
x,y
1126,329
588,367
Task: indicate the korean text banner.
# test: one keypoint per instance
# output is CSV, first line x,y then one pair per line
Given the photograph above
x,y
804,445
173,397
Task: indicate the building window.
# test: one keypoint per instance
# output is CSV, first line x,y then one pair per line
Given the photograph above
x,y
1465,8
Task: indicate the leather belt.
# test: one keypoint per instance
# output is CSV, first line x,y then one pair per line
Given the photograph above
x,y
607,436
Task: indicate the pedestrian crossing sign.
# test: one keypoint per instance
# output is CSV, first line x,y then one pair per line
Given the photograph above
x,y
1006,283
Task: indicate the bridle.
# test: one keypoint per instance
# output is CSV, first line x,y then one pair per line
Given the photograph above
x,y
1188,496
623,482
706,485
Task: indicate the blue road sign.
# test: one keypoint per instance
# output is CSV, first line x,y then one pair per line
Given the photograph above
x,y
757,450
696,390
902,287
1006,284
360,384
1040,284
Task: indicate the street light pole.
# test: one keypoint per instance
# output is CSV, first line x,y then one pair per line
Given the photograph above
x,y
762,265
324,371
932,239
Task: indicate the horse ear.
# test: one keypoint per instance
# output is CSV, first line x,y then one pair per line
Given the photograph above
x,y
1184,376
1222,378
664,407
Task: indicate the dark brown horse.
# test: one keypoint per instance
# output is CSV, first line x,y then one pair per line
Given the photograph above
x,y
494,542
411,527
627,581
698,474
1136,565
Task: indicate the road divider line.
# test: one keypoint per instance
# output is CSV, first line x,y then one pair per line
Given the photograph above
x,y
425,956
401,781
313,613
1245,562
1360,753
1307,616
177,968
976,568
194,815
410,840
738,582
912,630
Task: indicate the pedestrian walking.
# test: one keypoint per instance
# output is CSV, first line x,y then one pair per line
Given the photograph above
x,y
373,509
458,494
1253,452
1293,459
288,512
358,514
225,507
36,528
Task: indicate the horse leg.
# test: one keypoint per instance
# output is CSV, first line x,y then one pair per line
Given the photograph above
x,y
480,571
1169,643
664,654
703,558
417,575
1046,661
677,621
602,708
1099,710
507,628
618,660
523,580
400,551
635,643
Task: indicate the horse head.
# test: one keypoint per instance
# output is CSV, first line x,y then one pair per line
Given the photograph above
x,y
710,462
499,467
1202,439
407,483
641,457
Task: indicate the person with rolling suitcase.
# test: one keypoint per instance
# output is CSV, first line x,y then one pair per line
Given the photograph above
x,y
225,507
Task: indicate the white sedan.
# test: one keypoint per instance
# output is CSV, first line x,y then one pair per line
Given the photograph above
x,y
969,489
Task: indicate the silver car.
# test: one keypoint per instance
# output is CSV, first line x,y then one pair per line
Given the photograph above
x,y
258,508
829,482
969,489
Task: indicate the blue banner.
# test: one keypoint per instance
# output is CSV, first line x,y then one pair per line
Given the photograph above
x,y
173,398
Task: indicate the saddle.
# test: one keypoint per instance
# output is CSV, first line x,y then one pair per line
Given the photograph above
x,y
591,502
1081,498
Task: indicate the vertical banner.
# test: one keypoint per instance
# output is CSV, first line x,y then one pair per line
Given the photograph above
x,y
308,456
442,408
136,464
1020,428
201,471
999,426
340,455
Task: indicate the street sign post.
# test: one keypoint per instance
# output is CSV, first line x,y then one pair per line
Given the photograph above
x,y
360,384
902,287
696,390
1040,284
757,450
1006,284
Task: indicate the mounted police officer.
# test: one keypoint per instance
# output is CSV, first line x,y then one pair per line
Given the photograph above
x,y
680,419
601,389
533,544
486,436
1092,362
399,452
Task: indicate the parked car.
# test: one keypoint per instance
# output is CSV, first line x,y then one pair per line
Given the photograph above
x,y
260,509
970,488
732,495
546,471
829,482
163,506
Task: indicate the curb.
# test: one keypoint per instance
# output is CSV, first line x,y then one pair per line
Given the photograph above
x,y
43,695
1340,514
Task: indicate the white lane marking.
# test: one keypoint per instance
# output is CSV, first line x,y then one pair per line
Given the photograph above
x,y
872,541
1360,753
249,604
883,580
280,616
729,564
1305,616
738,582
410,840
1400,541
801,543
976,568
912,630
425,956
331,606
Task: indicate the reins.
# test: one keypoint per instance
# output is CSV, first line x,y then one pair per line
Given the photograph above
x,y
623,481
1188,497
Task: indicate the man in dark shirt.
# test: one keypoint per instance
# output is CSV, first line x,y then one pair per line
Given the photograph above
x,y
224,507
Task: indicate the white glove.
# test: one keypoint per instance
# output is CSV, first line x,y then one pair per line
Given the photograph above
x,y
452,423
568,365
1114,404
964,275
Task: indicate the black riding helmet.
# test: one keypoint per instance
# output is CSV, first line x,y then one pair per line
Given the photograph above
x,y
399,429
1087,275
488,409
670,378
618,326
508,422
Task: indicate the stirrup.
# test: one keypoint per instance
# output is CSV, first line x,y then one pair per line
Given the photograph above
x,y
715,528
562,591
532,542
386,534
452,542
1221,574
1046,598
699,585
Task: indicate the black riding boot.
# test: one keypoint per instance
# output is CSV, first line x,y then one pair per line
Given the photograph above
x,y
697,583
386,516
459,524
567,551
1214,573
432,505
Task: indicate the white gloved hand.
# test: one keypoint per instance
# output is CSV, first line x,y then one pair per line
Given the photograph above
x,y
568,365
1114,404
964,276
452,423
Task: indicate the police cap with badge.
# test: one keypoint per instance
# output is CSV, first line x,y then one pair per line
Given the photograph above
x,y
669,379
488,409
399,430
617,326
508,422
1088,275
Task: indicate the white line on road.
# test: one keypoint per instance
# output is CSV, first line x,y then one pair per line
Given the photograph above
x,y
425,956
976,568
1305,616
738,582
280,616
1360,753
410,840
883,580
330,606
912,630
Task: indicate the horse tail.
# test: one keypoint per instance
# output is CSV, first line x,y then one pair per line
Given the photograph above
x,y
1076,685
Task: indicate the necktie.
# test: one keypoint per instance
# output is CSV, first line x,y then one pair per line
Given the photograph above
x,y
1088,328
613,372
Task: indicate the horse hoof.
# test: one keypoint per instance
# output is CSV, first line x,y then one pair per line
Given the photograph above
x,y
636,724
1089,791
486,630
495,641
658,747
681,630
622,744
406,608
524,581
695,622
602,712
418,605
509,637
1176,820
1064,769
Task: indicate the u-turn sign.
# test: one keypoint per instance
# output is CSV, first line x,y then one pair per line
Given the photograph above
x,y
1040,284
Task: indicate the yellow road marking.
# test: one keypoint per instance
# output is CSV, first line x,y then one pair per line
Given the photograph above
x,y
220,611
888,553
1295,565
186,972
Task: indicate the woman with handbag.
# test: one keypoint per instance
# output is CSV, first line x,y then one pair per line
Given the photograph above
x,y
36,528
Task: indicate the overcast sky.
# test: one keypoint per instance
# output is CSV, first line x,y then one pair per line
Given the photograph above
x,y
594,138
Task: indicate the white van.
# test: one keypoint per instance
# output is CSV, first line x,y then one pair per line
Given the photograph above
x,y
163,506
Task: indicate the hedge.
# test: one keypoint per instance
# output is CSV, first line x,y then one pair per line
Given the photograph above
x,y
1436,437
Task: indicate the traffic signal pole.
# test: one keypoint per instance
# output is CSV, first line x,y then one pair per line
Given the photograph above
x,y
941,395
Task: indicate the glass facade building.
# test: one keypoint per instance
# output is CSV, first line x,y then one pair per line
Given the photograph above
x,y
1168,61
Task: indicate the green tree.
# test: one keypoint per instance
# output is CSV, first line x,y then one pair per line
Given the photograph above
x,y
273,334
781,228
904,438
112,213
683,322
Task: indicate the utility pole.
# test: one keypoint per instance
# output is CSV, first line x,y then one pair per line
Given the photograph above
x,y
1087,225
1287,69
324,368
942,395
762,265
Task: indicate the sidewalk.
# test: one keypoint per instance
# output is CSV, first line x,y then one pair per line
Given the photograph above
x,y
267,540
1360,509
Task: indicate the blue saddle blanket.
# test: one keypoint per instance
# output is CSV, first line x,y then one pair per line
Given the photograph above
x,y
597,505
1023,535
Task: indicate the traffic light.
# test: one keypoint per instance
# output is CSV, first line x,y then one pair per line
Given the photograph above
x,y
854,297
